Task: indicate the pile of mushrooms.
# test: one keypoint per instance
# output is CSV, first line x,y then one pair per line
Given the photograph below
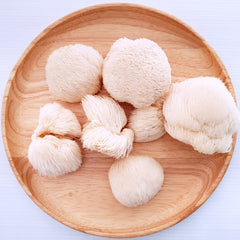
x,y
198,111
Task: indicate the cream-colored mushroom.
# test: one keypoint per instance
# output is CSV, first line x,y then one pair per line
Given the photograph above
x,y
147,124
137,72
53,150
106,111
74,71
105,133
98,138
55,119
52,156
135,180
202,112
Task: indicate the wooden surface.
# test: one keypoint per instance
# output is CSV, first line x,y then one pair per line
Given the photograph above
x,y
83,200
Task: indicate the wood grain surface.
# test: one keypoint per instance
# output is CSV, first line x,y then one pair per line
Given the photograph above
x,y
83,199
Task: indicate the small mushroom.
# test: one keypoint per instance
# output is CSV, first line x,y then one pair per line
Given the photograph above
x,y
98,138
201,112
107,111
73,71
137,72
52,156
104,132
147,124
135,180
53,150
55,119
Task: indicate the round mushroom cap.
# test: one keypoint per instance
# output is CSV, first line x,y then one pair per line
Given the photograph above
x,y
74,71
136,71
135,180
201,112
147,124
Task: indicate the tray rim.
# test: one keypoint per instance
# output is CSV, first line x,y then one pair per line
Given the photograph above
x,y
99,232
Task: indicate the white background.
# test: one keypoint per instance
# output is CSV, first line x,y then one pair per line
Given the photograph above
x,y
218,21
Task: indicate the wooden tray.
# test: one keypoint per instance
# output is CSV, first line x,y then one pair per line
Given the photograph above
x,y
83,200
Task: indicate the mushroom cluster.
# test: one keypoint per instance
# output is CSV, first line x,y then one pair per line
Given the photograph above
x,y
200,112
53,150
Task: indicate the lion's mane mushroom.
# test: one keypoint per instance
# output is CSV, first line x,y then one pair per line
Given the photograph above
x,y
104,132
135,180
147,124
73,71
53,151
201,112
137,72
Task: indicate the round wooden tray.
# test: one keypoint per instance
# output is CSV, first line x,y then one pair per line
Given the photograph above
x,y
83,200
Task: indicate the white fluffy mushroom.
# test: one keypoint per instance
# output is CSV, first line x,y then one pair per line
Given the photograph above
x,y
202,112
135,180
136,71
74,71
106,111
105,133
53,157
147,124
55,119
53,151
96,137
